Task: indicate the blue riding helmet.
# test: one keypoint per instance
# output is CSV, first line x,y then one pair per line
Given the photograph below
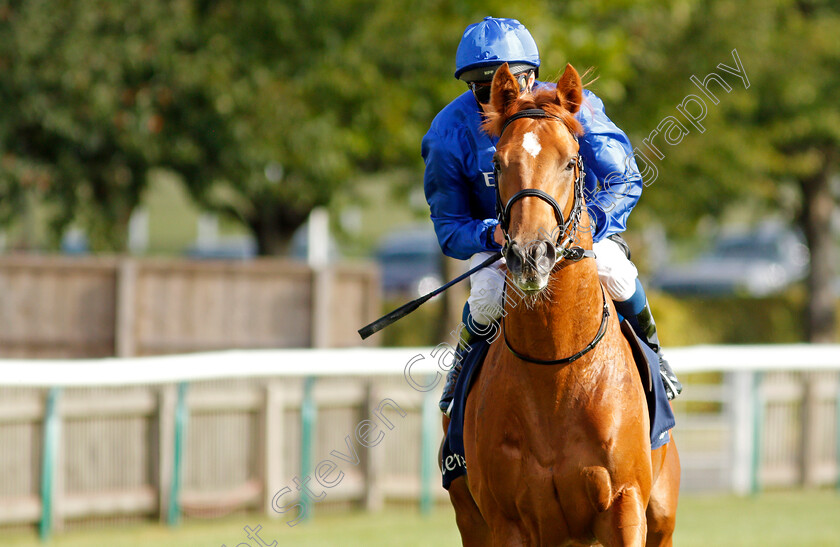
x,y
492,42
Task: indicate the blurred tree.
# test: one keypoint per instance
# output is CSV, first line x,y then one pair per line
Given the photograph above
x,y
343,88
763,143
263,108
98,93
82,111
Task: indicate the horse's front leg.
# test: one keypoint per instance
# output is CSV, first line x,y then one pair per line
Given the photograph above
x,y
471,525
623,524
662,508
474,530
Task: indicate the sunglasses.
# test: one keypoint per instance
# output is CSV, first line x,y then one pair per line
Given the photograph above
x,y
481,90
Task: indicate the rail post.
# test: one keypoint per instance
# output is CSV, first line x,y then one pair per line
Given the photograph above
x,y
308,417
757,431
181,419
427,449
52,442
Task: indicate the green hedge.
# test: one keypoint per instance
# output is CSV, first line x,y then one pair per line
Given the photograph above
x,y
688,321
420,328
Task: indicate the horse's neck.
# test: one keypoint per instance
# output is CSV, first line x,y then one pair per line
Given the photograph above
x,y
562,323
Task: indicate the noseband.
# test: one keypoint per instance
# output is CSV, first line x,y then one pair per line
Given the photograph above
x,y
564,248
562,245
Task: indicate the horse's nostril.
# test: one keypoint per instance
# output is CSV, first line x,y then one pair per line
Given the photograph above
x,y
542,257
513,257
543,266
551,253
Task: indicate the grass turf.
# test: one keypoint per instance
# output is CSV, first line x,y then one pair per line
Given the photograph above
x,y
771,519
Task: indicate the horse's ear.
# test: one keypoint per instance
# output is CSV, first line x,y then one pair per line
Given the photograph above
x,y
504,92
570,89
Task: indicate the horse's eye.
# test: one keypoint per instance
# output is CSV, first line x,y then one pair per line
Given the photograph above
x,y
570,165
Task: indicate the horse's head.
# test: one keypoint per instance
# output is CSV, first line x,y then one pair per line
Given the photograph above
x,y
538,173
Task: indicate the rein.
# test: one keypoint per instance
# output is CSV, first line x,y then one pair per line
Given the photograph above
x,y
602,330
565,249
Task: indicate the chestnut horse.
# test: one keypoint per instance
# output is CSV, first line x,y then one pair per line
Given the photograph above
x,y
556,427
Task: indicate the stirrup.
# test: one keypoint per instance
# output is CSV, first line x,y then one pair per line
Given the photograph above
x,y
447,399
673,387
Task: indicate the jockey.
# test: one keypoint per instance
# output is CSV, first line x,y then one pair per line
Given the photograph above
x,y
460,189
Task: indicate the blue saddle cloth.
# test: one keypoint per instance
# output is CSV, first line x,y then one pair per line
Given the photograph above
x,y
453,464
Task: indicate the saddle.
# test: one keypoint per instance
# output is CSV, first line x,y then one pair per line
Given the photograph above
x,y
453,464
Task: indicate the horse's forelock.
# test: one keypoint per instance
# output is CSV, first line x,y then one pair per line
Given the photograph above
x,y
545,99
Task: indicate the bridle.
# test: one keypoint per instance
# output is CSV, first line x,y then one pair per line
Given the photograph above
x,y
564,250
563,246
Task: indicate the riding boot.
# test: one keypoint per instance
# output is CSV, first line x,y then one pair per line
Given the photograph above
x,y
464,348
645,327
470,333
636,310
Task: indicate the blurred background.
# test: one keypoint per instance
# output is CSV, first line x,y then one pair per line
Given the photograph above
x,y
199,176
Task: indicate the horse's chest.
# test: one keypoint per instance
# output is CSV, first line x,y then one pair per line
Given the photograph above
x,y
544,440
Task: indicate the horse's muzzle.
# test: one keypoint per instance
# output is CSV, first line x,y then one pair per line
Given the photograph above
x,y
530,264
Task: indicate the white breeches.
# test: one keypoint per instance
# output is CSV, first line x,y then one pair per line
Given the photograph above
x,y
616,272
486,290
618,275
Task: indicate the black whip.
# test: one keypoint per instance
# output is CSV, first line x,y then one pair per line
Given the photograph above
x,y
409,307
